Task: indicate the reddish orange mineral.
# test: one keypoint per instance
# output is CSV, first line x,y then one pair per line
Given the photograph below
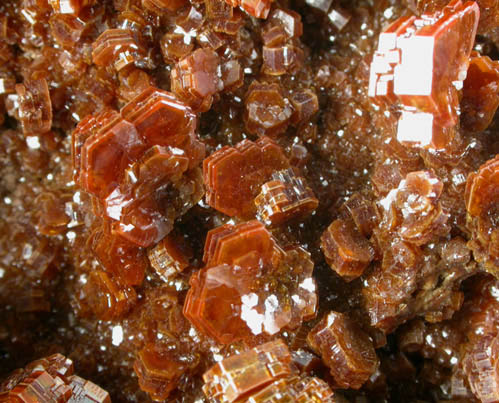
x,y
295,389
347,251
238,244
256,8
159,369
482,205
480,100
250,286
345,349
242,375
70,6
35,106
412,65
286,197
50,379
117,48
168,257
163,6
414,209
137,162
195,79
119,257
106,298
268,112
233,175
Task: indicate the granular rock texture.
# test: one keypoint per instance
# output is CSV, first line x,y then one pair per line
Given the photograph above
x,y
249,200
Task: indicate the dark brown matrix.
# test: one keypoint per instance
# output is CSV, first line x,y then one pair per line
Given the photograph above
x,y
249,201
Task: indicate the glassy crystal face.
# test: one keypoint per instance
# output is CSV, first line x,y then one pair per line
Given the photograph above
x,y
50,379
237,295
233,175
482,201
407,68
133,162
345,348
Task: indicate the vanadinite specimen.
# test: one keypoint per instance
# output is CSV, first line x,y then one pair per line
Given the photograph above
x,y
253,201
263,374
482,205
408,67
50,379
233,175
250,285
345,348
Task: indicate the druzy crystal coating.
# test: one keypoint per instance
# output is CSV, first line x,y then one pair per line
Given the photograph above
x,y
348,153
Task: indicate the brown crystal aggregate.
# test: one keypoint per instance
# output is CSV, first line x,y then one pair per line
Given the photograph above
x,y
249,201
50,379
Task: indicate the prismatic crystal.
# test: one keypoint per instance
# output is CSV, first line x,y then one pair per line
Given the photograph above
x,y
421,63
233,175
345,348
250,286
286,197
264,374
136,160
482,205
50,379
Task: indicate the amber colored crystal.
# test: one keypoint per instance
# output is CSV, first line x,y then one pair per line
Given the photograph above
x,y
480,99
282,60
35,106
414,209
70,6
117,48
286,197
428,94
50,379
482,201
236,244
163,6
119,257
346,250
233,175
158,370
195,79
345,348
168,257
305,105
66,29
295,389
268,112
174,48
106,154
241,375
163,120
232,75
106,298
255,8
227,300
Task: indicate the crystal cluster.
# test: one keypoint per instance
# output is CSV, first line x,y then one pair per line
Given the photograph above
x,y
263,374
346,247
233,175
135,162
250,285
407,68
345,348
285,197
50,379
482,205
280,55
376,213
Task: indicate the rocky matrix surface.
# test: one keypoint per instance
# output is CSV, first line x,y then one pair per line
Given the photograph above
x,y
249,201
